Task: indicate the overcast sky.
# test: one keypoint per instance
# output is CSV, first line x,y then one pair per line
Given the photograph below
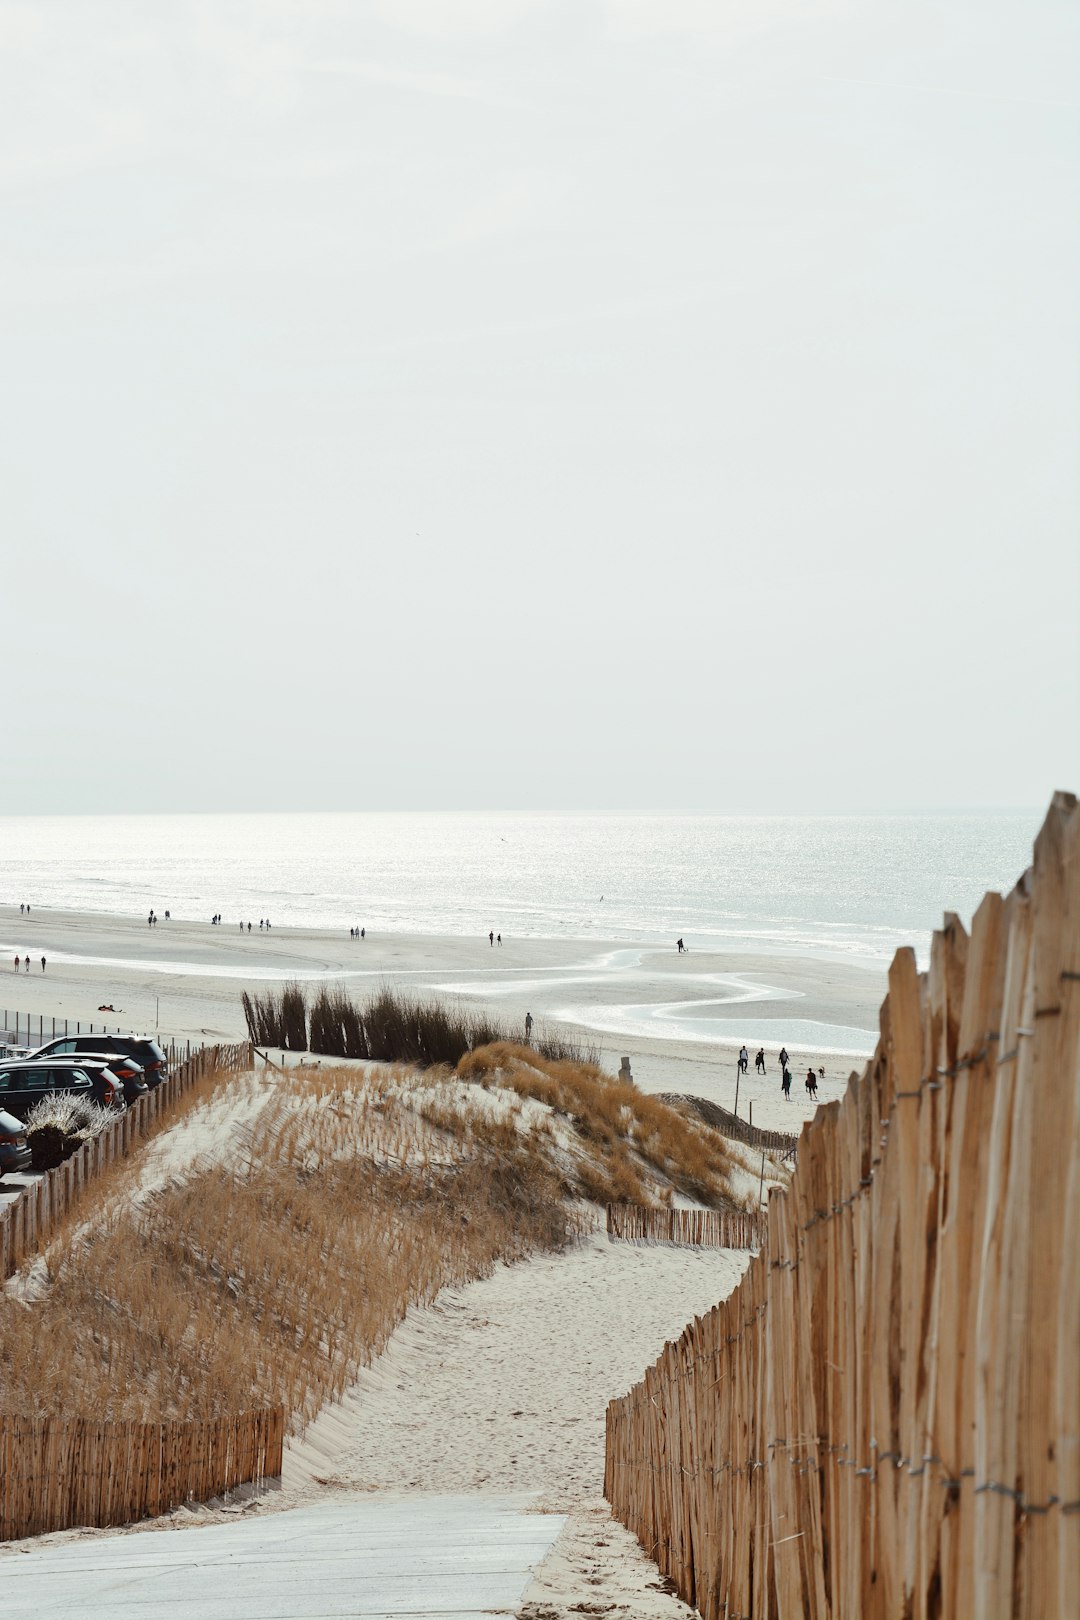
x,y
610,404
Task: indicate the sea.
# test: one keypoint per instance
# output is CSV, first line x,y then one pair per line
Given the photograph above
x,y
852,887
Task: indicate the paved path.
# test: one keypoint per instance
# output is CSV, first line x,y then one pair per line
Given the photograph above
x,y
470,1558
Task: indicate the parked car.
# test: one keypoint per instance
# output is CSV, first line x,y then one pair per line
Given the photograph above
x,y
14,1148
146,1053
125,1069
26,1082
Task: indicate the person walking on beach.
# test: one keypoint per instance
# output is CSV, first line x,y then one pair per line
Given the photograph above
x,y
42,964
811,1082
784,1057
491,938
744,1060
680,947
498,938
363,933
26,965
785,1085
528,1029
16,964
759,1061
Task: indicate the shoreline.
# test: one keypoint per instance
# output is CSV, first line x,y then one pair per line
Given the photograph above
x,y
680,1018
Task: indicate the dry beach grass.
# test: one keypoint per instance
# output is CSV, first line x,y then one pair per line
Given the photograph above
x,y
276,1264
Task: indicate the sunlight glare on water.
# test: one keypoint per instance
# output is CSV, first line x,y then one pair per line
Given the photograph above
x,y
851,885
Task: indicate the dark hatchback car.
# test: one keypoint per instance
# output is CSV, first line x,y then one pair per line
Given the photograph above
x,y
146,1053
14,1149
26,1082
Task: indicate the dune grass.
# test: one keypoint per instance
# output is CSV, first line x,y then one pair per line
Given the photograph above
x,y
276,1267
389,1027
276,1274
626,1130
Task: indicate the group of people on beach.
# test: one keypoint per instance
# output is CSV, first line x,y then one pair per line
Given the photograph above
x,y
26,967
811,1081
152,920
357,933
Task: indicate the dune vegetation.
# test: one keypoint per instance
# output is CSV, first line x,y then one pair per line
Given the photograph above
x,y
268,1245
389,1027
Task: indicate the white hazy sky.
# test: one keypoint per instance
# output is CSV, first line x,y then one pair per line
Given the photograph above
x,y
485,403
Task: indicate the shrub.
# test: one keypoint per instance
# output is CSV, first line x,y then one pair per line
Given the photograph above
x,y
57,1126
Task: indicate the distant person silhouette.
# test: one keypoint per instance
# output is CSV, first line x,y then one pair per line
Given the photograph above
x,y
26,965
811,1082
491,937
744,1060
784,1057
785,1085
759,1061
22,911
498,938
681,947
528,1028
16,964
42,964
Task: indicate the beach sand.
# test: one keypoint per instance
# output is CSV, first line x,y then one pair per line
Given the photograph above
x,y
679,1018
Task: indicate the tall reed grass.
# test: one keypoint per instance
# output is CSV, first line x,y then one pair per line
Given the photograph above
x,y
389,1027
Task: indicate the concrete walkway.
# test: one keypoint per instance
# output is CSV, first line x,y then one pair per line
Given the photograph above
x,y
470,1558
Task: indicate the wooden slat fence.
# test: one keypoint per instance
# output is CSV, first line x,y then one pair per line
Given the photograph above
x,y
883,1419
58,1473
703,1228
783,1144
28,1222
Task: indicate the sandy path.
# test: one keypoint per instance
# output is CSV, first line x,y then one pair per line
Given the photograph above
x,y
502,1386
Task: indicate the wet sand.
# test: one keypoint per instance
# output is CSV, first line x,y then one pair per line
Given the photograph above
x,y
680,1018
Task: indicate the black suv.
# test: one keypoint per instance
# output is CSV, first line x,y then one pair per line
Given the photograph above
x,y
26,1082
146,1053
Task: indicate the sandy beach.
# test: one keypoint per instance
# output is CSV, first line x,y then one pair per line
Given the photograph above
x,y
680,1018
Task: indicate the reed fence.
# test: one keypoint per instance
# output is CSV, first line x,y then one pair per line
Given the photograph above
x,y
28,1222
701,1228
57,1473
883,1419
783,1144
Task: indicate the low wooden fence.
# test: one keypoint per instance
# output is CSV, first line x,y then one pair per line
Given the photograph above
x,y
883,1419
782,1144
28,1222
55,1474
702,1228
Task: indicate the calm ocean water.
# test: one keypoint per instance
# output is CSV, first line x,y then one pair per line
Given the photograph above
x,y
850,885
